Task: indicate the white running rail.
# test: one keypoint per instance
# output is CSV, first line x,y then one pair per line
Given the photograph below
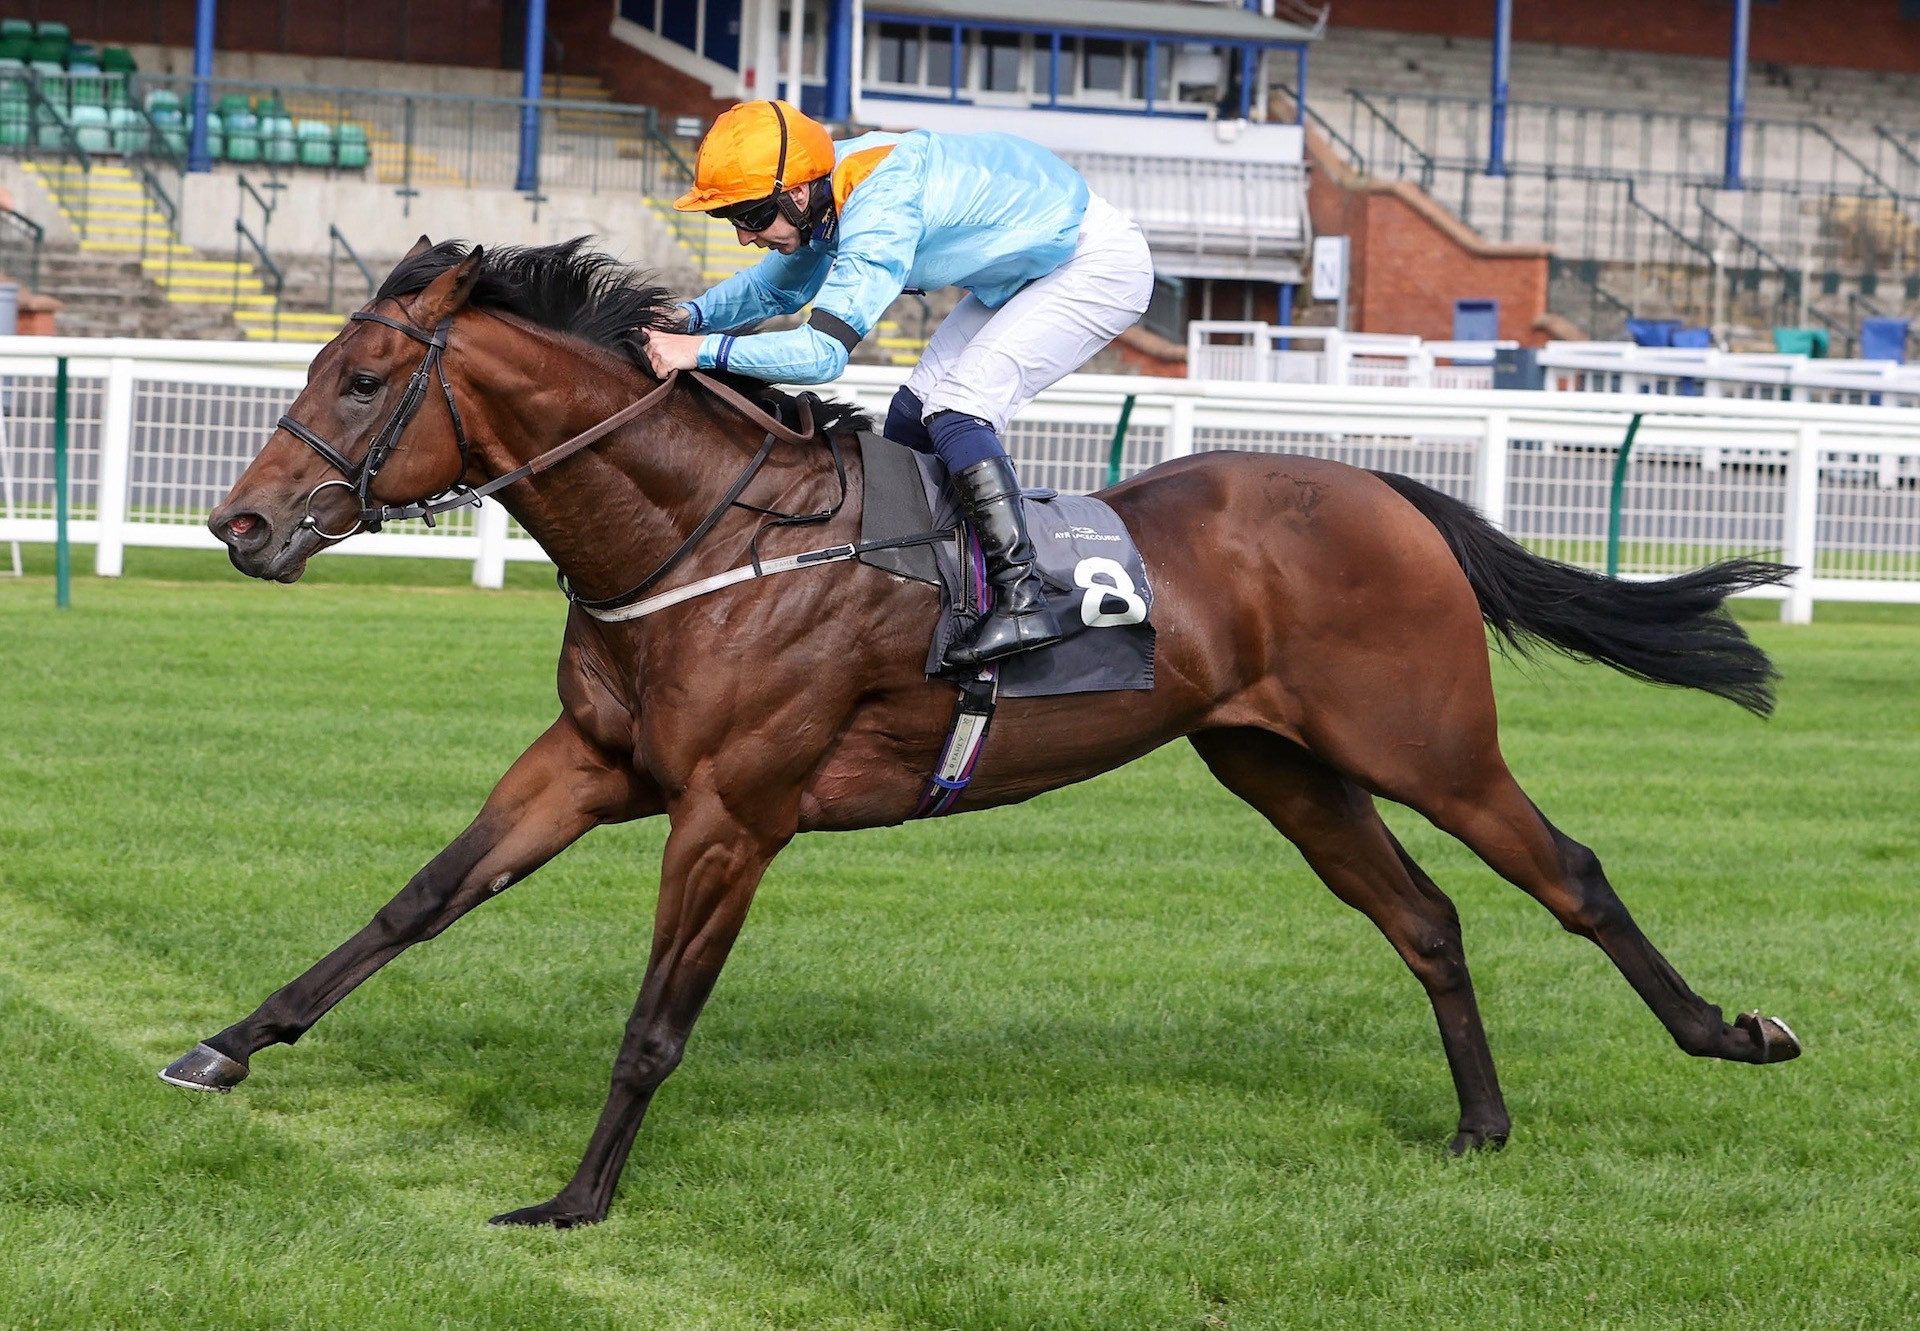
x,y
160,431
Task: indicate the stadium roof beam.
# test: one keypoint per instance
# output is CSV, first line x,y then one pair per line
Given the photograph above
x,y
1130,18
1737,91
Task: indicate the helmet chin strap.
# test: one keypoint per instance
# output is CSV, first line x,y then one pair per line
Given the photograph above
x,y
810,215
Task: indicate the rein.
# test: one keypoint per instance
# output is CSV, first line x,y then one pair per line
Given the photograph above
x,y
359,476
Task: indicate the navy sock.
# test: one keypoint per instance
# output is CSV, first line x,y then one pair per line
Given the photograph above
x,y
903,421
962,440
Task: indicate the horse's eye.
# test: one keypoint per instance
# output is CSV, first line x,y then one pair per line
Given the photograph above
x,y
363,385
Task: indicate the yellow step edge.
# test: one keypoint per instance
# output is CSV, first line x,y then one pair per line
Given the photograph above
x,y
69,169
94,229
901,343
298,316
217,298
206,265
127,247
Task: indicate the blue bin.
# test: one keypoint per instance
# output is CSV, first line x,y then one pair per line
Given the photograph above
x,y
1476,321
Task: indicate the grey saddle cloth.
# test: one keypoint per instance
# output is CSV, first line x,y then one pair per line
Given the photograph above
x,y
1095,581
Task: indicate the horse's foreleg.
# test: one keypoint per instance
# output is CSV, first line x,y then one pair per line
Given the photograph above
x,y
557,791
714,860
1336,827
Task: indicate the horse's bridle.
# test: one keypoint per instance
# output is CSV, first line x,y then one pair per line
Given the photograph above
x,y
358,477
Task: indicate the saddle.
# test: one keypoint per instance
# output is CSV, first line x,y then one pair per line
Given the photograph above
x,y
1095,580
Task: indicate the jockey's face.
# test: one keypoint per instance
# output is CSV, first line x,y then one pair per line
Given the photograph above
x,y
779,234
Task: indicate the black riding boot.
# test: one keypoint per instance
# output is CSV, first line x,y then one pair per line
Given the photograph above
x,y
1018,619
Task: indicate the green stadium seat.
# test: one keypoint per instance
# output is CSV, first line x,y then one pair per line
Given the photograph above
x,y
243,136
350,152
11,28
216,134
169,128
90,128
16,48
86,86
16,124
54,53
232,103
118,60
131,133
49,133
277,142
83,53
117,89
161,98
316,142
269,108
13,76
52,30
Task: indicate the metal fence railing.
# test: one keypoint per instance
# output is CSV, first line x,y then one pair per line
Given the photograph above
x,y
161,430
414,140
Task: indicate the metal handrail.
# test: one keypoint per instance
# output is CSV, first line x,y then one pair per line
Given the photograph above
x,y
266,260
157,195
336,244
1850,155
1899,146
70,142
1386,122
9,219
1355,158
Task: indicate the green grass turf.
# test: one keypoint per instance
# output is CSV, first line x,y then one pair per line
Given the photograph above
x,y
1112,1059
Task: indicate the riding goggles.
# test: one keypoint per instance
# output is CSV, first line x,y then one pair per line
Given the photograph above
x,y
757,215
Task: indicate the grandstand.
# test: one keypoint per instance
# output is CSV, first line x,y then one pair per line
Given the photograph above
x,y
1610,201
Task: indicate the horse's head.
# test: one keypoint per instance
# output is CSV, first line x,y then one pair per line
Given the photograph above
x,y
375,425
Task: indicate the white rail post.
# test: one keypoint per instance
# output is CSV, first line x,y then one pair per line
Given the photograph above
x,y
1179,429
116,448
490,526
1490,477
1803,517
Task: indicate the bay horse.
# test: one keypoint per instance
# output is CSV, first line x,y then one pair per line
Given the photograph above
x,y
1322,640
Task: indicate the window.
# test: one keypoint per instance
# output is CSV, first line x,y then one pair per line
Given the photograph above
x,y
1112,69
896,54
1106,66
1002,62
813,55
940,59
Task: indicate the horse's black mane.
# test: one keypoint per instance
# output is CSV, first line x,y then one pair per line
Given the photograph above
x,y
573,289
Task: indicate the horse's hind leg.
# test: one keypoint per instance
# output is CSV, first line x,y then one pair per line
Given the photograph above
x,y
1337,828
1510,833
557,791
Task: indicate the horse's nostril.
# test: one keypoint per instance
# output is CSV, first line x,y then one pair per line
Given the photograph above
x,y
243,524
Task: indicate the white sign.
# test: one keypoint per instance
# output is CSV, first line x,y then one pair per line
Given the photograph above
x,y
1329,267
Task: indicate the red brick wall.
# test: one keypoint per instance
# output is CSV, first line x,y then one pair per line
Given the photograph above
x,y
633,77
434,32
1853,34
1410,260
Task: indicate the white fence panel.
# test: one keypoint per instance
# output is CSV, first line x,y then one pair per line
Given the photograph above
x,y
160,431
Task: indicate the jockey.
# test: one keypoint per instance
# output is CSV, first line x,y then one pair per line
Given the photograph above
x,y
1052,273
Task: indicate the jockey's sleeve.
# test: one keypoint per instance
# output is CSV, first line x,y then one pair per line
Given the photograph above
x,y
778,284
880,232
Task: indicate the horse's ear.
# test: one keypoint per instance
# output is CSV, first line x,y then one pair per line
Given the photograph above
x,y
448,292
420,246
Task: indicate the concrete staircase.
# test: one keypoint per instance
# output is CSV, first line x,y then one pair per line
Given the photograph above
x,y
131,276
715,251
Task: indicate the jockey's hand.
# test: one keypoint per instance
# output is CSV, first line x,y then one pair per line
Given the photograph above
x,y
667,352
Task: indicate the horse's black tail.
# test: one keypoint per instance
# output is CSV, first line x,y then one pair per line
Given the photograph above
x,y
1675,631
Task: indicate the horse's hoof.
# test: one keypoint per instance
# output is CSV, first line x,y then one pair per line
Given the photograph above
x,y
204,1068
1771,1036
1477,1139
551,1214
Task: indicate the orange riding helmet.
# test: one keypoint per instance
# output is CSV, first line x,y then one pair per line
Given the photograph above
x,y
753,152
